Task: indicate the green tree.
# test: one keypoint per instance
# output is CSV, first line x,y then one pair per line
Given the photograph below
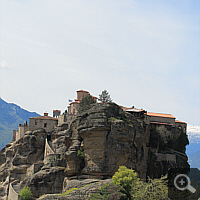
x,y
126,178
104,97
25,193
136,189
86,103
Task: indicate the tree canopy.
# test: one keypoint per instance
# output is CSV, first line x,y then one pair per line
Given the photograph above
x,y
104,97
86,102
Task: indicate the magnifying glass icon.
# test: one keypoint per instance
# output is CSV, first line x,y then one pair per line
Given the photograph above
x,y
182,182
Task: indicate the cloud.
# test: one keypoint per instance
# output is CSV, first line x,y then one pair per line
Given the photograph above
x,y
193,130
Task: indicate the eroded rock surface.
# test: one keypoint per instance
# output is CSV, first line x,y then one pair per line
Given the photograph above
x,y
47,181
88,150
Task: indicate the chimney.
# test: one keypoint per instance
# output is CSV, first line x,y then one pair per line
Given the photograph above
x,y
46,114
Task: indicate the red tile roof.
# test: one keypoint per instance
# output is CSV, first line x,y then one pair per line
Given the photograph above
x,y
94,97
74,102
125,108
177,121
57,110
82,91
135,110
160,115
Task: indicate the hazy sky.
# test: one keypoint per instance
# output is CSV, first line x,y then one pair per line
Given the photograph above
x,y
145,53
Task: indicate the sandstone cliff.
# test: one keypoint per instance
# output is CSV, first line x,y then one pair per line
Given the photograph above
x,y
91,149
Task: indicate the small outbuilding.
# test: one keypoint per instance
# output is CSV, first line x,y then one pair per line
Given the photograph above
x,y
46,122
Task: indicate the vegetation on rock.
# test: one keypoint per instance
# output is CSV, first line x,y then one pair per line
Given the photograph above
x,y
126,178
109,191
137,189
25,193
127,186
86,103
104,97
68,191
152,189
80,154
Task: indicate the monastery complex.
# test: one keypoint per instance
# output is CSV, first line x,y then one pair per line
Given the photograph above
x,y
48,123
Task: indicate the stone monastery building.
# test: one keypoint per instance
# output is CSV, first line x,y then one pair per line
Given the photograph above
x,y
74,106
155,120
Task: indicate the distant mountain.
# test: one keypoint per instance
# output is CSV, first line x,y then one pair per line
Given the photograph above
x,y
193,149
10,117
194,159
193,133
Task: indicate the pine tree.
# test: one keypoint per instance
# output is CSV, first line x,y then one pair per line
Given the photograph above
x,y
104,97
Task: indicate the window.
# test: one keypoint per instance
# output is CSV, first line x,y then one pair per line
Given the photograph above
x,y
48,137
35,122
45,125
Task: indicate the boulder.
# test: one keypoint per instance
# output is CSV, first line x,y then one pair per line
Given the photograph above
x,y
48,181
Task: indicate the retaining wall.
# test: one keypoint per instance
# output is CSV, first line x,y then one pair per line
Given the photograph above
x,y
13,195
34,168
48,149
52,158
166,157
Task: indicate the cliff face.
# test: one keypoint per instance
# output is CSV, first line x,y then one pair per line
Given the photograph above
x,y
109,138
95,144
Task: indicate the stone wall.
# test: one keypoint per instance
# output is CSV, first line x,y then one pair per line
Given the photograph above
x,y
52,158
73,108
17,134
61,119
65,119
163,120
81,94
182,125
165,157
13,195
22,130
14,135
48,149
34,168
35,124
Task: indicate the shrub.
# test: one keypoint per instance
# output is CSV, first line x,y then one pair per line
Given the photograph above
x,y
80,153
153,189
86,103
126,178
25,193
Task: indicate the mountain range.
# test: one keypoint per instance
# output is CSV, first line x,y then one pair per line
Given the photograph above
x,y
10,117
193,149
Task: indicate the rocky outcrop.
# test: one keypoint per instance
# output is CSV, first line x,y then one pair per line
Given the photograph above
x,y
16,157
46,181
88,151
82,192
111,138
